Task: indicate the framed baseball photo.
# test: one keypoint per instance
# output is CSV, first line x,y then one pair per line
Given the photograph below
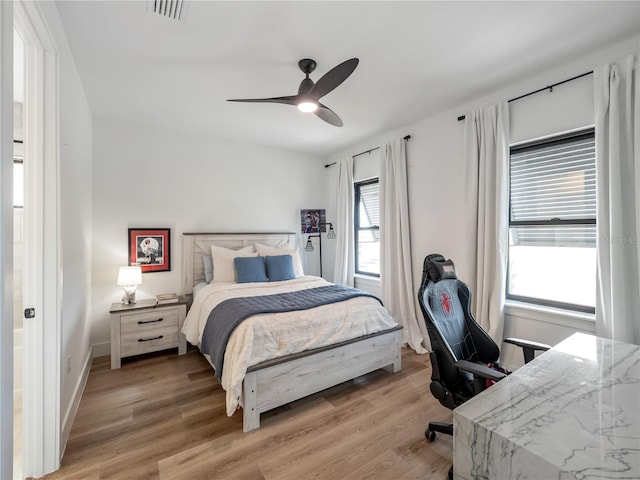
x,y
149,249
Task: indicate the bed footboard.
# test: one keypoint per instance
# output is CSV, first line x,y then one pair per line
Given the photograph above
x,y
273,384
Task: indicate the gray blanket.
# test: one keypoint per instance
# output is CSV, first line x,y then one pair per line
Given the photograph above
x,y
227,315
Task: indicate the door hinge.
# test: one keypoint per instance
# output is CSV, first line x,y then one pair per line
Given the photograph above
x,y
29,312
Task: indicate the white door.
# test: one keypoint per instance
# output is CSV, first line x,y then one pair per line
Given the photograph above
x,y
41,333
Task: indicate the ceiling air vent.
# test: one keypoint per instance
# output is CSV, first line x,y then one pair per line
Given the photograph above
x,y
173,9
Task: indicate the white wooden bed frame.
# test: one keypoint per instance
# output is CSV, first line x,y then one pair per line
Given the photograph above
x,y
277,382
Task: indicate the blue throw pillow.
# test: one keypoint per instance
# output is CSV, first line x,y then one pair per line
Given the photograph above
x,y
250,269
207,261
279,267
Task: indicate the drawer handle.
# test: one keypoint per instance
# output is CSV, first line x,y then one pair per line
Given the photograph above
x,y
142,322
149,339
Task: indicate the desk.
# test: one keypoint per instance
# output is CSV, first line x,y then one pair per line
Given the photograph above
x,y
572,413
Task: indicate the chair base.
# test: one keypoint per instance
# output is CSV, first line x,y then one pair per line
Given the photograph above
x,y
440,427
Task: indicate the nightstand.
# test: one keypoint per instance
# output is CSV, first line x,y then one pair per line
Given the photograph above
x,y
145,327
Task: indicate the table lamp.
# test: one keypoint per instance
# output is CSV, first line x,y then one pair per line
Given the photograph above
x,y
128,279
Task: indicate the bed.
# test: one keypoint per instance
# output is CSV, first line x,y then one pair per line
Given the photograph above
x,y
260,375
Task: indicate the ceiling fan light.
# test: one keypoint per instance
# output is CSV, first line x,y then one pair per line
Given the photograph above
x,y
307,106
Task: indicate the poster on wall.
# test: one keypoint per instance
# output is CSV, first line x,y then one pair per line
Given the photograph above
x,y
312,220
149,249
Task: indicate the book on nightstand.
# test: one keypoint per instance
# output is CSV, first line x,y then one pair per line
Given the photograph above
x,y
163,298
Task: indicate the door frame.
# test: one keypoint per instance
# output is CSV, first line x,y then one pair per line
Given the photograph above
x,y
42,269
6,239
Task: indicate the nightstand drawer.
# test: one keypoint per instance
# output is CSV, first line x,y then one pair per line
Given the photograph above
x,y
136,343
155,319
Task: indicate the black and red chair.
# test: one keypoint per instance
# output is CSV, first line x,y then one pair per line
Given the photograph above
x,y
464,358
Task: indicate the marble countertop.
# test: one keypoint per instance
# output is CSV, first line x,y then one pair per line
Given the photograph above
x,y
572,413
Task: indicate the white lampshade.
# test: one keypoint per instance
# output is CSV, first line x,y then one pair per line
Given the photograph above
x,y
130,276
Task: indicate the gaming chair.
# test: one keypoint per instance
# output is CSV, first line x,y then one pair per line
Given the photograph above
x,y
464,358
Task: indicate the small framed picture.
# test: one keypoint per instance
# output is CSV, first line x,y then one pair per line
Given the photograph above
x,y
149,248
312,220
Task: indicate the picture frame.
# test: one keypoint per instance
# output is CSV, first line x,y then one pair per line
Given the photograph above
x,y
150,248
312,220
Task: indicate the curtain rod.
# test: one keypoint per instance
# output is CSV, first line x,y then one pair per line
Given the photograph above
x,y
550,88
406,137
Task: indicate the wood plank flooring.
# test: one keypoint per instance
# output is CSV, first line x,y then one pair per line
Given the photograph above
x,y
163,417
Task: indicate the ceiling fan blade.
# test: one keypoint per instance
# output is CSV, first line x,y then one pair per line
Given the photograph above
x,y
328,115
333,78
290,100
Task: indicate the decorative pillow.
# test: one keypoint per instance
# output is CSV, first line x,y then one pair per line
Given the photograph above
x,y
264,250
279,267
250,269
223,270
207,261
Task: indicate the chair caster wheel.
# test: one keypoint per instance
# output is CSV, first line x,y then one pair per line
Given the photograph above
x,y
430,435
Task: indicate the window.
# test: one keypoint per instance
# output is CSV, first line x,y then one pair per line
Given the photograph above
x,y
367,227
552,224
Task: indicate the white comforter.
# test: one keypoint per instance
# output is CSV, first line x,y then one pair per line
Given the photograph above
x,y
267,336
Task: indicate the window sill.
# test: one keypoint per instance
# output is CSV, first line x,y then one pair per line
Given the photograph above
x,y
554,316
367,278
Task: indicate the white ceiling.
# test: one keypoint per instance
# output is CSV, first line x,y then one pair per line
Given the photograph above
x,y
417,58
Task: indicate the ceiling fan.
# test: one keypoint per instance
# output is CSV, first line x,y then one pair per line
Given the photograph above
x,y
309,93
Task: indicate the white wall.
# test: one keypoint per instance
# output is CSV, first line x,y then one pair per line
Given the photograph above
x,y
568,107
435,164
149,177
75,225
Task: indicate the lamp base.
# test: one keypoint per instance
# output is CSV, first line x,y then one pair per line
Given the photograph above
x,y
129,297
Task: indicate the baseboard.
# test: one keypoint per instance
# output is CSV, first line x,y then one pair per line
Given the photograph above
x,y
101,349
70,414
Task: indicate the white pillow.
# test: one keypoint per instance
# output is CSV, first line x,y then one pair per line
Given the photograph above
x,y
223,269
264,250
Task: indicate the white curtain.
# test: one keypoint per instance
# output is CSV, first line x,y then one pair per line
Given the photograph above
x,y
343,268
396,278
486,157
617,111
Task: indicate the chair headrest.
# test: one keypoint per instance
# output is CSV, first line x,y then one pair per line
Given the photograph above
x,y
437,268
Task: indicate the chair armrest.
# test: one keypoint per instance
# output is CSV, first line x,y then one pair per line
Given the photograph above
x,y
527,344
528,347
479,370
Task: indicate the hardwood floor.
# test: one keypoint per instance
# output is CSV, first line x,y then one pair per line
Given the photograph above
x,y
163,417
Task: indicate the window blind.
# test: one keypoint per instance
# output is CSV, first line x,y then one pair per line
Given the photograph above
x,y
370,198
553,192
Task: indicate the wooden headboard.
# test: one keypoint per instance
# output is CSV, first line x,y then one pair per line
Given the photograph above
x,y
195,245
